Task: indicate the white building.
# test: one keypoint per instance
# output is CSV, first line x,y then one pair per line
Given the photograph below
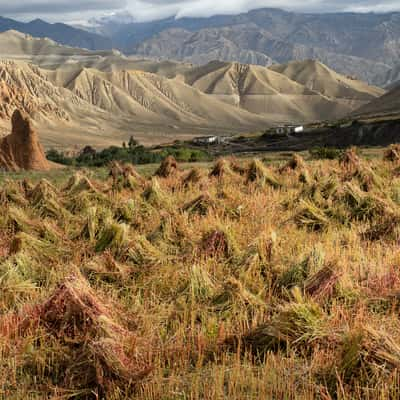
x,y
289,129
210,139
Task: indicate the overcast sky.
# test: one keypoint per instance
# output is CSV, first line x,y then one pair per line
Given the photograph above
x,y
145,10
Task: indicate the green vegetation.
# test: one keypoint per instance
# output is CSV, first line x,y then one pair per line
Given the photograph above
x,y
325,153
245,280
134,154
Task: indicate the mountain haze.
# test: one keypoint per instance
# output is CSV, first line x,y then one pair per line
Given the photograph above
x,y
61,33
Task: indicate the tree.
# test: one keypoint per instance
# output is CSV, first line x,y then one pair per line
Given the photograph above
x,y
132,142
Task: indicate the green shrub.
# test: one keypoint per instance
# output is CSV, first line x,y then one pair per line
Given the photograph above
x,y
325,153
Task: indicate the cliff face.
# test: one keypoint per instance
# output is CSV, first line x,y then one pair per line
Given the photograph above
x,y
21,150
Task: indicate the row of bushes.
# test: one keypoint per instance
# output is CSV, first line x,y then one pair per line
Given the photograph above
x,y
89,157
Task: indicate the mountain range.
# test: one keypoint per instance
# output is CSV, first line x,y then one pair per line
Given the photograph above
x,y
361,45
78,97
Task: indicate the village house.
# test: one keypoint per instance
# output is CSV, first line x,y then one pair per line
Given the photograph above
x,y
289,129
209,140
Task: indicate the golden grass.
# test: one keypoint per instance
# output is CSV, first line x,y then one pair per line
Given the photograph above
x,y
244,281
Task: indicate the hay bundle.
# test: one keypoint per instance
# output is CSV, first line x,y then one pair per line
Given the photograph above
x,y
79,183
311,216
93,342
322,285
107,269
355,168
234,293
295,163
200,205
257,172
45,199
41,248
113,236
215,243
220,169
392,153
143,254
218,243
194,177
124,176
13,192
367,352
116,171
131,178
365,206
298,324
154,195
386,227
350,160
168,167
237,167
19,221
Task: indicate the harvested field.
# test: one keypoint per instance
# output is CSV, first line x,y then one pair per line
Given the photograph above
x,y
240,280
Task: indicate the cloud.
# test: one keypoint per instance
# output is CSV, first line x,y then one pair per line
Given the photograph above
x,y
145,10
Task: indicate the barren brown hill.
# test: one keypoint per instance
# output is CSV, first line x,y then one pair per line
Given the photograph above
x,y
22,149
101,109
154,98
318,77
269,91
389,103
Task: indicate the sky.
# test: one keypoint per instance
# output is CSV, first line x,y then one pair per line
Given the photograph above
x,y
81,11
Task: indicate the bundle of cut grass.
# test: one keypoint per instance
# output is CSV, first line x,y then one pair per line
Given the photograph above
x,y
355,168
200,205
143,254
297,325
131,178
386,227
91,227
154,195
295,163
237,167
45,199
13,193
218,243
93,343
194,177
113,236
350,160
126,212
311,216
234,293
35,247
365,206
298,273
18,220
258,172
201,285
79,183
322,284
168,167
27,186
367,353
392,153
116,171
107,269
220,169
